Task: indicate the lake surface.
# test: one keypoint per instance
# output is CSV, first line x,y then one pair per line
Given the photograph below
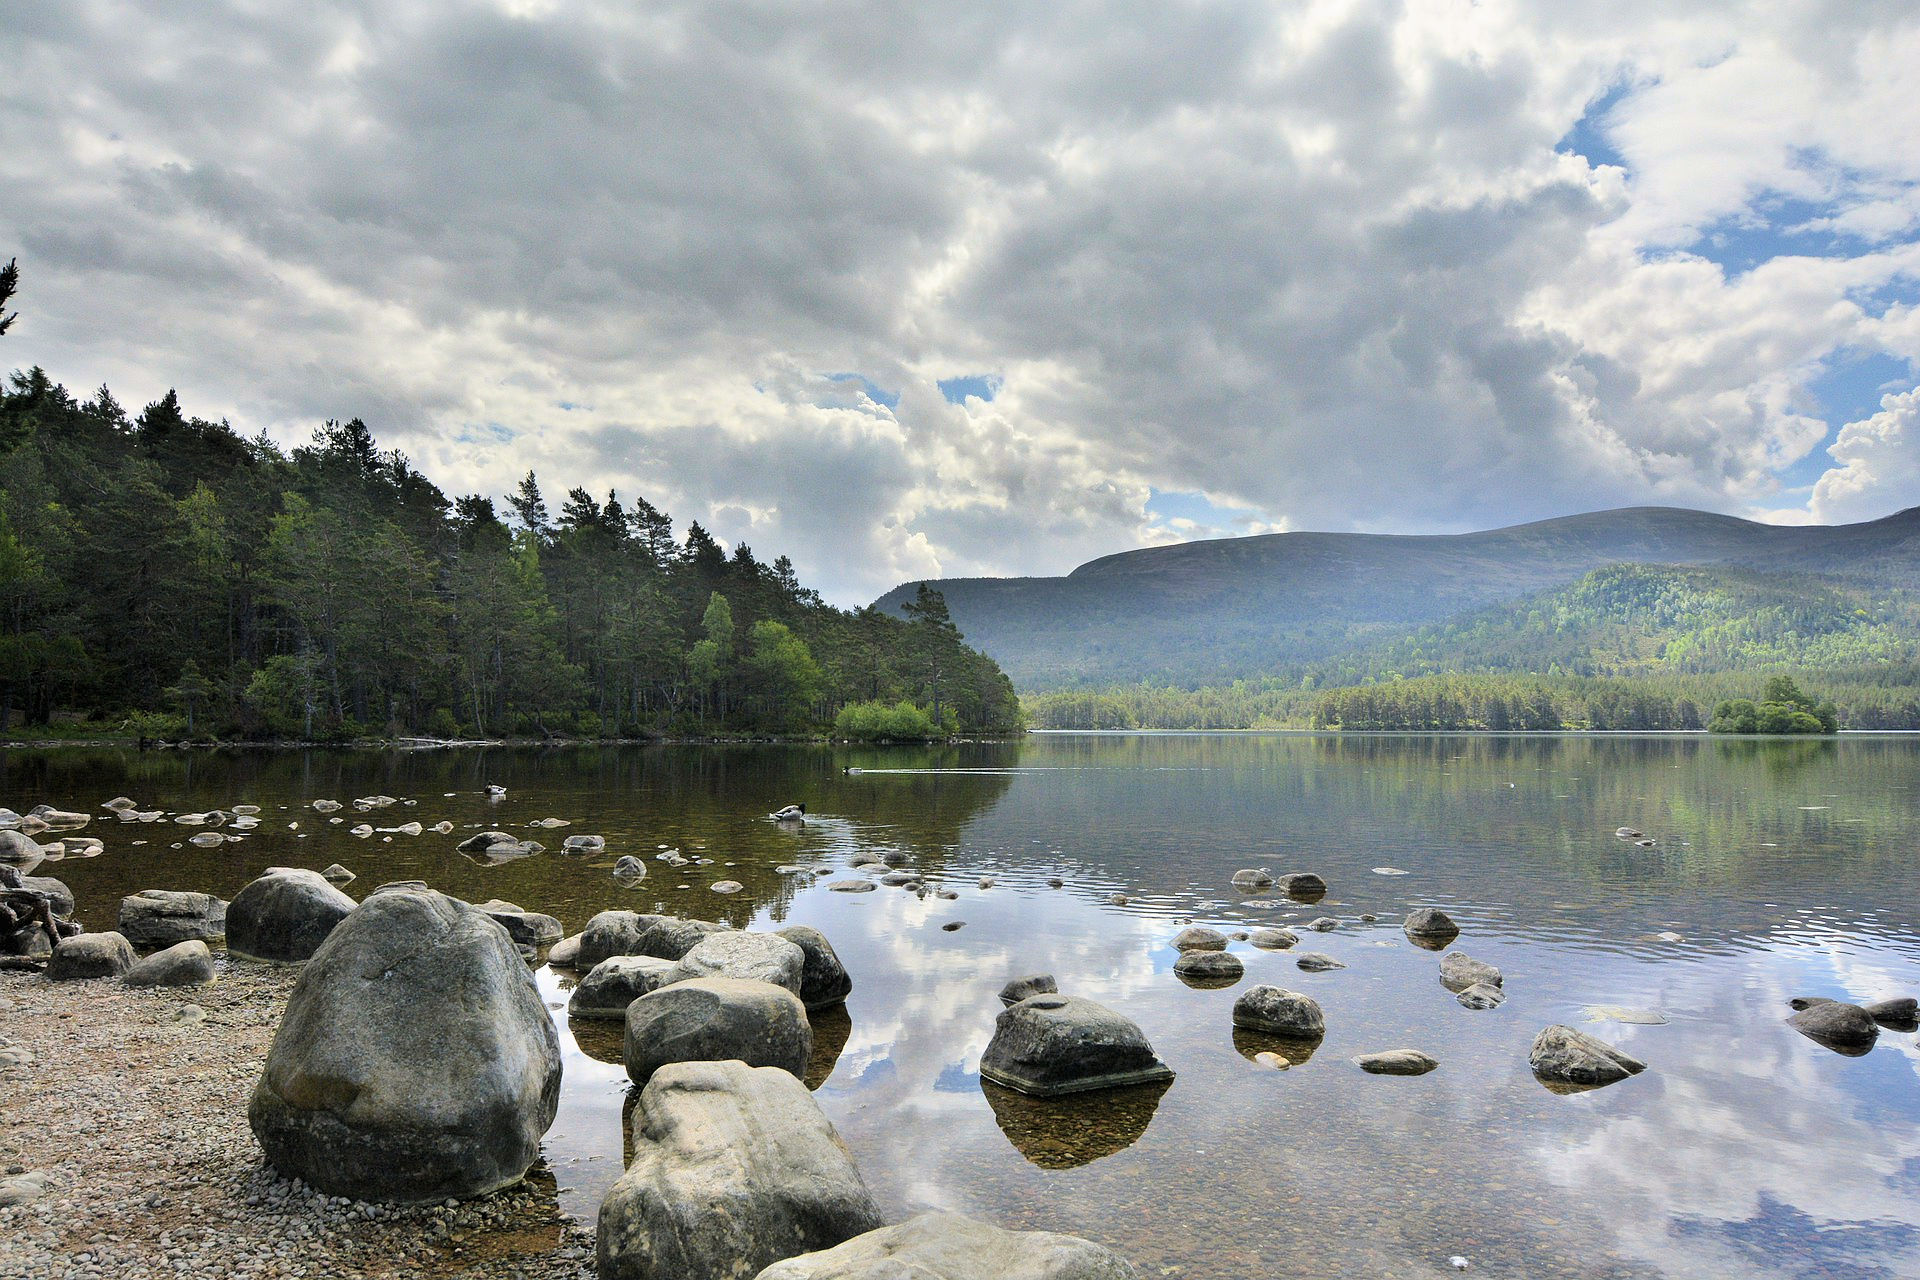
x,y
1784,868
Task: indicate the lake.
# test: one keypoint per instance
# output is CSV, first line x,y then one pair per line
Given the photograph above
x,y
1780,868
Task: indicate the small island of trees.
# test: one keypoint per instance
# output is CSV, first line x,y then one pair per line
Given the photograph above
x,y
1782,708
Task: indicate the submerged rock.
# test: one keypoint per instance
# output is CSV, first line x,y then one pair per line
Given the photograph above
x,y
1280,1012
1322,924
1899,1014
90,955
162,917
734,1168
527,928
616,982
1052,1044
184,964
1033,984
1844,1028
1397,1062
824,981
1458,972
284,916
851,886
716,1020
1562,1055
1199,938
947,1246
337,874
415,1060
485,840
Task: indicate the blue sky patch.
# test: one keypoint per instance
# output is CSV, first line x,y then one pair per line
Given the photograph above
x,y
890,399
1164,505
485,433
980,386
1588,137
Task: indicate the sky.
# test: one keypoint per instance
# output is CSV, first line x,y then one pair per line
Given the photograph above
x,y
921,291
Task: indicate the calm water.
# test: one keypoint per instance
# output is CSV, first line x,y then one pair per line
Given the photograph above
x,y
1745,1149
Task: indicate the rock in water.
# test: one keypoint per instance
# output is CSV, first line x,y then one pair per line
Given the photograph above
x,y
161,917
714,1020
415,1060
947,1246
1199,938
528,928
1303,884
1209,968
1900,1013
824,981
184,964
90,955
1252,878
1458,972
1482,995
338,874
565,953
1317,962
734,1168
1280,1012
759,957
284,915
1034,984
1051,1044
484,841
1844,1028
617,982
1397,1062
1430,924
1565,1056
628,933
1273,939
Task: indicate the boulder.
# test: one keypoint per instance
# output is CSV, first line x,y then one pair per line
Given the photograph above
x,y
415,1060
1482,995
1397,1062
616,982
851,886
1302,884
1430,923
1252,878
611,933
1458,972
90,955
947,1246
527,928
1317,962
1273,939
1209,967
284,916
1280,1012
1034,984
1900,1013
1322,924
629,869
714,1020
1052,1044
337,874
59,897
583,844
1846,1028
670,937
734,1168
184,964
482,842
824,981
757,957
162,917
1562,1055
20,849
1199,938
565,954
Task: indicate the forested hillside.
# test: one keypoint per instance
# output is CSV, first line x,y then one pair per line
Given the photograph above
x,y
160,571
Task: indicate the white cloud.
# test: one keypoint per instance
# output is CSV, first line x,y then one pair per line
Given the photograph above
x,y
1879,459
1319,262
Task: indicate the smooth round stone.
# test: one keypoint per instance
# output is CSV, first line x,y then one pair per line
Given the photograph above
x,y
284,916
1252,878
1430,922
851,886
184,964
90,955
1482,995
1302,884
565,954
1033,984
1051,1044
1273,939
1844,1028
726,886
761,957
1271,1060
1397,1062
1209,967
616,982
1280,1012
1199,938
717,1020
824,981
1317,962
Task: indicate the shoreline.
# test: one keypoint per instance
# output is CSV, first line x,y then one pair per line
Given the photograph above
x,y
137,1115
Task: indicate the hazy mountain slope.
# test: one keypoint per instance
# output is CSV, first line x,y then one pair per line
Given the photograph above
x,y
1207,612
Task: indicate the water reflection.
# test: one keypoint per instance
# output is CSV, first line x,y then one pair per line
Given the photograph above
x,y
832,1028
1250,1044
1078,1128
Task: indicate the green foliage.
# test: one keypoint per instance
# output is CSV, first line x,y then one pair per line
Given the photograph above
x,y
159,562
878,722
1783,708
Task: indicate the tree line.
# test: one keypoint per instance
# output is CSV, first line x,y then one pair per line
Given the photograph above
x,y
161,570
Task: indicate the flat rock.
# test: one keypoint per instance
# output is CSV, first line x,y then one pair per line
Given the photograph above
x,y
162,917
1302,884
824,981
527,928
1458,972
184,964
715,1020
90,955
1052,1044
757,957
284,916
734,1168
1280,1012
1317,962
415,1060
616,982
1397,1062
1481,995
1199,938
947,1246
1900,1013
1565,1056
851,886
1033,984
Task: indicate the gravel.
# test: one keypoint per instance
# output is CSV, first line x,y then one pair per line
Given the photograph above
x,y
133,1106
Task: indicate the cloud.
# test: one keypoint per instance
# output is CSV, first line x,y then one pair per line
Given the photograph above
x,y
1328,264
1879,461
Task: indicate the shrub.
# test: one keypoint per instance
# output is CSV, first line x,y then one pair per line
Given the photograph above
x,y
878,722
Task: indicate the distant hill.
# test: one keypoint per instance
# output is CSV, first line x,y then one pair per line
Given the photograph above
x,y
1352,605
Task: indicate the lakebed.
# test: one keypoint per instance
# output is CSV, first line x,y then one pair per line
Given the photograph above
x,y
1776,870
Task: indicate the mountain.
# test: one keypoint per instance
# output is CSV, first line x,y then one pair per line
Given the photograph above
x,y
1211,612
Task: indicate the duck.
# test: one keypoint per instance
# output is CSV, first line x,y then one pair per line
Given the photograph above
x,y
495,790
792,813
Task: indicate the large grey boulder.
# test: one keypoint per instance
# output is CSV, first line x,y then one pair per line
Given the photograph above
x,y
1561,1055
90,955
757,957
1273,939
716,1019
415,1060
824,981
184,964
947,1246
1198,937
1280,1012
59,897
162,917
628,933
1209,968
617,982
1033,984
1458,972
527,928
734,1168
20,849
284,916
1846,1028
1052,1044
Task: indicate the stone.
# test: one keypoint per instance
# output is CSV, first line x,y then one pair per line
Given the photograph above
x,y
628,933
1273,939
629,868
1899,1012
824,981
851,886
20,849
1252,878
162,917
415,1060
894,879
1458,972
1482,995
284,916
527,928
1430,922
482,842
1317,962
1562,1055
1272,1061
760,957
1397,1062
714,1020
59,897
1209,967
337,874
1843,1027
1048,1045
90,955
22,1188
948,1246
616,982
1302,884
1199,938
1033,984
726,886
583,844
1280,1012
734,1168
565,954
184,964
1322,924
